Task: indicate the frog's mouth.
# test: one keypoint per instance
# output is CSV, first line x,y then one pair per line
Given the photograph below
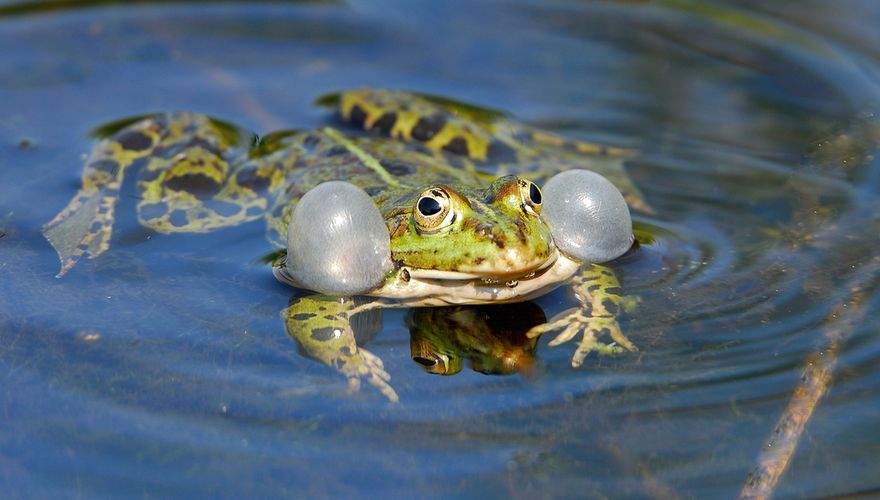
x,y
486,275
428,287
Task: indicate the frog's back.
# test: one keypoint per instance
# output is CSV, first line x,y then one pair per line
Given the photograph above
x,y
415,142
391,172
482,140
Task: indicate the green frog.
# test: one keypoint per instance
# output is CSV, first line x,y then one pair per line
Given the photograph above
x,y
430,203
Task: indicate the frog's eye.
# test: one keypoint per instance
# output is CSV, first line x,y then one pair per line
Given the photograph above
x,y
433,210
531,196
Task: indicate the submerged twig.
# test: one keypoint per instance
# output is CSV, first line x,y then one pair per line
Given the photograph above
x,y
780,447
848,150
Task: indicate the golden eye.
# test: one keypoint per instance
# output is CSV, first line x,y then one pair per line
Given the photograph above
x,y
531,196
433,210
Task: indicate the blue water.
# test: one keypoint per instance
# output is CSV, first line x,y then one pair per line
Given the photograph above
x,y
162,367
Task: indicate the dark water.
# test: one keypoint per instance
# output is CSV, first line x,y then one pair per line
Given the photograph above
x,y
162,367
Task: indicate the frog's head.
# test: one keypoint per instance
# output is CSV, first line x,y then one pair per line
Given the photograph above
x,y
492,234
448,245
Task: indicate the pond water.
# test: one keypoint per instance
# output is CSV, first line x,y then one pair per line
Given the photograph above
x,y
162,367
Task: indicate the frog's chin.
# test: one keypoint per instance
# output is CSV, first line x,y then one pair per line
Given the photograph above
x,y
436,288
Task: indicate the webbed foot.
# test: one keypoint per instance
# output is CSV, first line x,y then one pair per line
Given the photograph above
x,y
364,365
85,225
597,289
574,322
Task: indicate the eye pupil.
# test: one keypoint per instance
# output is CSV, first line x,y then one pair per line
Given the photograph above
x,y
535,194
429,206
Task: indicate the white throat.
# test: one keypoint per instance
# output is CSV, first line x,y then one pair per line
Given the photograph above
x,y
425,289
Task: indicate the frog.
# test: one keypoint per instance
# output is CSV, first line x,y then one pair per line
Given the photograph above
x,y
410,201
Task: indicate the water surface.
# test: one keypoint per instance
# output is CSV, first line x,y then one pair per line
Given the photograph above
x,y
163,368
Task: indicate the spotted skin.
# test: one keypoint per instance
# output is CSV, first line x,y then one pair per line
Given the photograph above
x,y
400,116
485,139
325,330
197,181
193,175
84,226
597,290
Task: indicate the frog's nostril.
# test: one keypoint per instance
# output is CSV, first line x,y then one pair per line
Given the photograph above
x,y
485,229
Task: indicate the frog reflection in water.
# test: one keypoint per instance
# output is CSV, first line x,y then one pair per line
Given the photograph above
x,y
494,339
418,221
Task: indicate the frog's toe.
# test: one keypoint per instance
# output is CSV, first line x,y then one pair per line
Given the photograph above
x,y
556,322
378,377
585,348
385,388
619,338
568,333
375,365
372,369
630,303
574,322
354,384
589,342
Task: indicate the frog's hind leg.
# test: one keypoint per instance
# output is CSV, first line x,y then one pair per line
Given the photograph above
x,y
84,226
412,117
458,128
186,184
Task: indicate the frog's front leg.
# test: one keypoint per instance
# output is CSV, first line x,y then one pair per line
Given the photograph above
x,y
325,326
597,290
